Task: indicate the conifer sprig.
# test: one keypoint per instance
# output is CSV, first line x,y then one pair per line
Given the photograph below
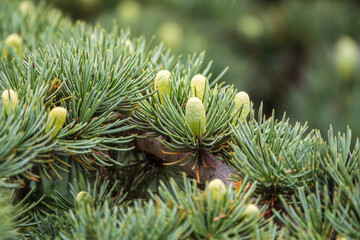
x,y
338,162
166,116
307,217
38,25
65,207
346,220
23,142
274,154
103,82
17,214
222,215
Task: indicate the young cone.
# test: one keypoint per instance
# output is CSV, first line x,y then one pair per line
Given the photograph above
x,y
346,57
15,42
242,99
84,197
57,117
26,7
216,187
162,83
171,33
195,114
198,82
251,210
7,96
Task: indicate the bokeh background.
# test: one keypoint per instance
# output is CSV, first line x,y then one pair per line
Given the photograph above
x,y
299,57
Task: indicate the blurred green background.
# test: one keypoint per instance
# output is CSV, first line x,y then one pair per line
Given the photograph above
x,y
300,56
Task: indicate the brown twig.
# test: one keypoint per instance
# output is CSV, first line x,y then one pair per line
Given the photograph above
x,y
221,170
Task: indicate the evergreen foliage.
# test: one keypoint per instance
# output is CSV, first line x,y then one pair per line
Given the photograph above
x,y
89,178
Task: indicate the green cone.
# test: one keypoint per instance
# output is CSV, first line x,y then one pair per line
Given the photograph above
x,y
194,114
8,95
84,197
162,83
57,117
242,99
15,42
198,82
216,187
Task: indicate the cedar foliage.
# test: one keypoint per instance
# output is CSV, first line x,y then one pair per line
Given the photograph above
x,y
306,186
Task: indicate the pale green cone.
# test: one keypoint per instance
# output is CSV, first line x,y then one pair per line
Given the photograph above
x,y
57,118
346,57
251,210
198,82
162,83
216,187
27,7
8,95
15,42
129,11
241,99
250,26
171,34
195,113
84,197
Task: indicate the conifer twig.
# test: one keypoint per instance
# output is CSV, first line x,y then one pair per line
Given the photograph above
x,y
220,170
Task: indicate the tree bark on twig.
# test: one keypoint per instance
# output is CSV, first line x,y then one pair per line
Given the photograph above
x,y
220,170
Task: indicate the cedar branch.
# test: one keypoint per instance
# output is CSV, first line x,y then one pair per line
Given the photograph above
x,y
221,170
